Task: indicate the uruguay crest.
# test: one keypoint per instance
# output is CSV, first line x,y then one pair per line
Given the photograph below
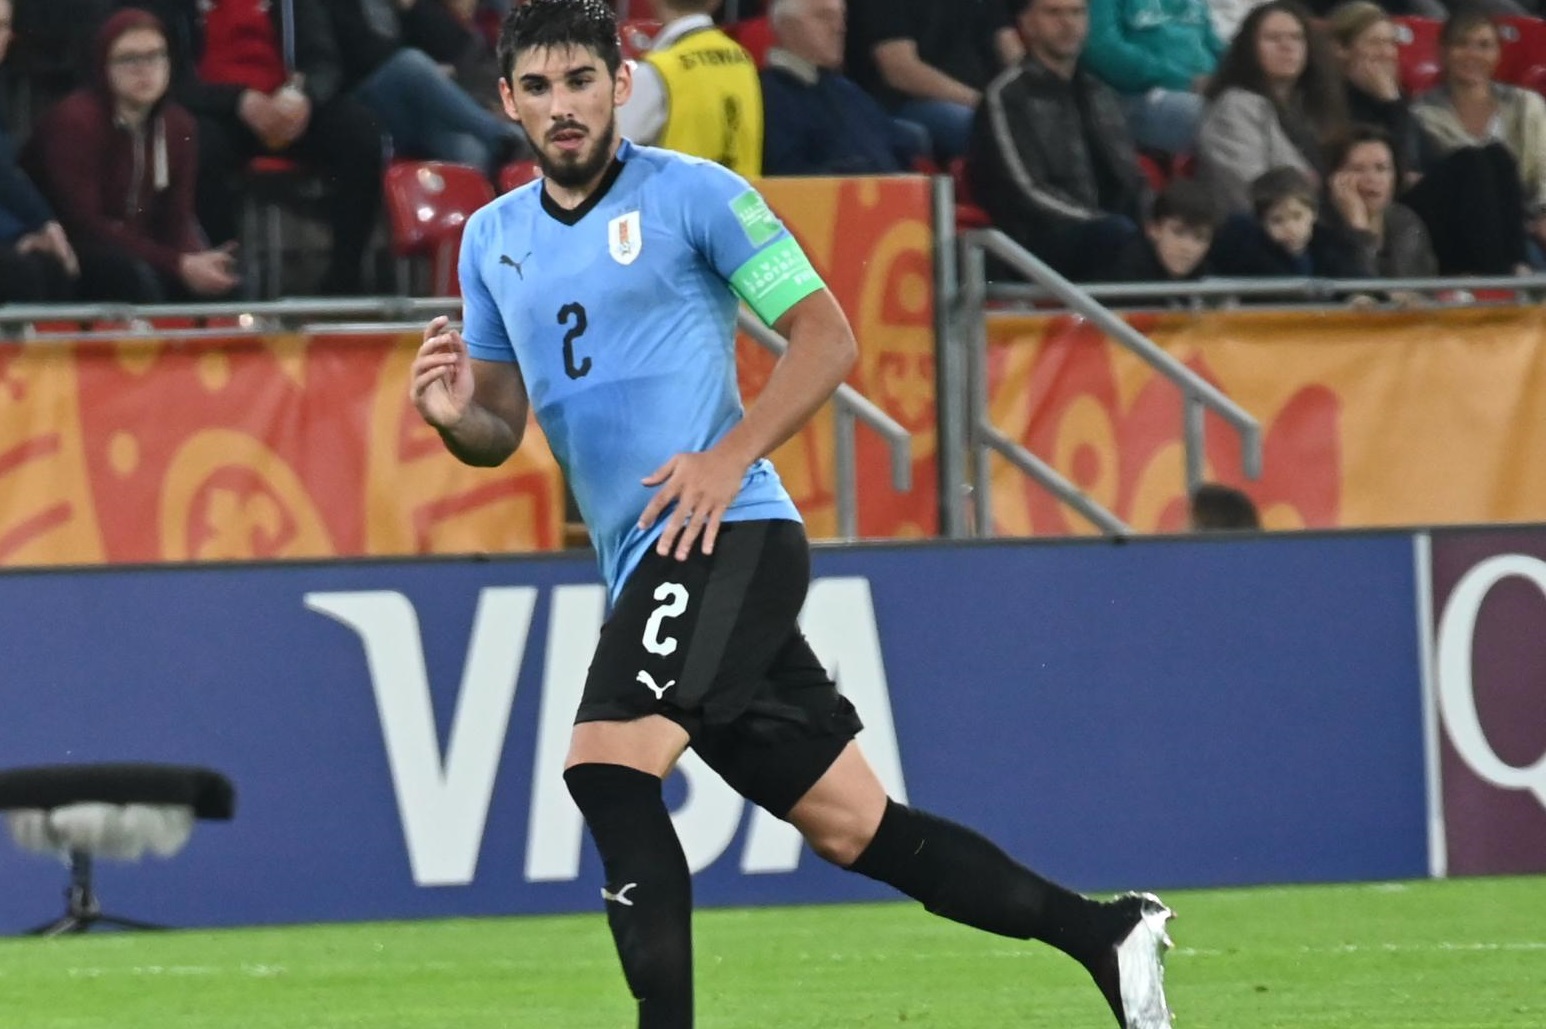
x,y
624,237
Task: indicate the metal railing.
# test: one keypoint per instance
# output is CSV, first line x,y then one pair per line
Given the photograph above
x,y
849,407
19,322
1198,395
950,371
1437,292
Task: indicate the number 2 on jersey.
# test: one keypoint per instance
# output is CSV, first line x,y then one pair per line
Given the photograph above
x,y
577,313
675,596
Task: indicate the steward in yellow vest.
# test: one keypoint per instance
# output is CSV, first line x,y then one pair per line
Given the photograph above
x,y
712,99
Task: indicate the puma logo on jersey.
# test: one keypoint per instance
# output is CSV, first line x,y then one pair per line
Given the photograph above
x,y
505,259
649,683
620,897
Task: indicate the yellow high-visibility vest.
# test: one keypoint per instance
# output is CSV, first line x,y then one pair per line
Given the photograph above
x,y
713,100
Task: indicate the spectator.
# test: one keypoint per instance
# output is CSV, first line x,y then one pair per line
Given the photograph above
x,y
1176,236
929,61
262,77
476,65
1275,101
1471,111
1471,204
36,259
1390,237
820,123
1369,58
119,162
1160,55
696,91
1051,159
1286,238
1214,506
395,56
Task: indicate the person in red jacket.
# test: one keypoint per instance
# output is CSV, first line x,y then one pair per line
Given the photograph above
x,y
119,163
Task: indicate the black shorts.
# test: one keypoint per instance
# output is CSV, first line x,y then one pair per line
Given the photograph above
x,y
713,644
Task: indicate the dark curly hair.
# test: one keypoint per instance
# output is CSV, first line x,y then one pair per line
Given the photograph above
x,y
1189,202
1341,147
1318,96
1460,23
544,24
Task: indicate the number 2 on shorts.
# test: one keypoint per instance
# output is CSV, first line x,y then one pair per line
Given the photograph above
x,y
674,595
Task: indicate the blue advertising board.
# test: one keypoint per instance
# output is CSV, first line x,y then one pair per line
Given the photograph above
x,y
1163,713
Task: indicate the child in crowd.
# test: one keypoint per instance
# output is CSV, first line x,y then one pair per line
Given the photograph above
x,y
1176,237
1286,238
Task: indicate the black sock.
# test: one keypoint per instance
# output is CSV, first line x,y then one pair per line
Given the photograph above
x,y
962,876
649,889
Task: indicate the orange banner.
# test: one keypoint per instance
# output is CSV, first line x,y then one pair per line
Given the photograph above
x,y
1369,418
244,447
872,240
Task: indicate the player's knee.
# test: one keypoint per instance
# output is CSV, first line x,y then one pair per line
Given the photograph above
x,y
840,840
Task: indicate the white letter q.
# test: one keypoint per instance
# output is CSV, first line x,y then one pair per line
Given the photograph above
x,y
1457,696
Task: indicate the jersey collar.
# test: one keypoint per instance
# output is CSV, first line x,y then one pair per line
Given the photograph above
x,y
572,217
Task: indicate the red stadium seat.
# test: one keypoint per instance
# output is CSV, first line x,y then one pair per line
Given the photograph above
x,y
637,34
756,35
428,204
1495,296
1153,171
1417,40
61,328
518,173
968,214
1523,62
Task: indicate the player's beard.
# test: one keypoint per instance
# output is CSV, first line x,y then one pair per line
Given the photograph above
x,y
574,171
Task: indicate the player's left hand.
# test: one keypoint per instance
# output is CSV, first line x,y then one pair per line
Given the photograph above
x,y
703,486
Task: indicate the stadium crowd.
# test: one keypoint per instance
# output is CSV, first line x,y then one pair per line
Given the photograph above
x,y
1119,140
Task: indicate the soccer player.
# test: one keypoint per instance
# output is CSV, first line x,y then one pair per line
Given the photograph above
x,y
605,294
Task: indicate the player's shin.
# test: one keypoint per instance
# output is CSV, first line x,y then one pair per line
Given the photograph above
x,y
960,875
648,893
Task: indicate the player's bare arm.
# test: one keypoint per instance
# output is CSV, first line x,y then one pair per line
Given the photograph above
x,y
821,352
478,407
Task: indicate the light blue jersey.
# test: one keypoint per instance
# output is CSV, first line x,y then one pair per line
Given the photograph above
x,y
621,316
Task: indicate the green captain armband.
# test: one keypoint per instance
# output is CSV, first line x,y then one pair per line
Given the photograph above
x,y
776,279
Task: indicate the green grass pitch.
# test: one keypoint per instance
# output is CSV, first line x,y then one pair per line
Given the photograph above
x,y
1464,954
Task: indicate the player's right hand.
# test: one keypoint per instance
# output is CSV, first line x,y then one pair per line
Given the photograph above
x,y
440,381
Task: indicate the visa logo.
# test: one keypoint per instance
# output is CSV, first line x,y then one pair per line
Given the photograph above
x,y
443,799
